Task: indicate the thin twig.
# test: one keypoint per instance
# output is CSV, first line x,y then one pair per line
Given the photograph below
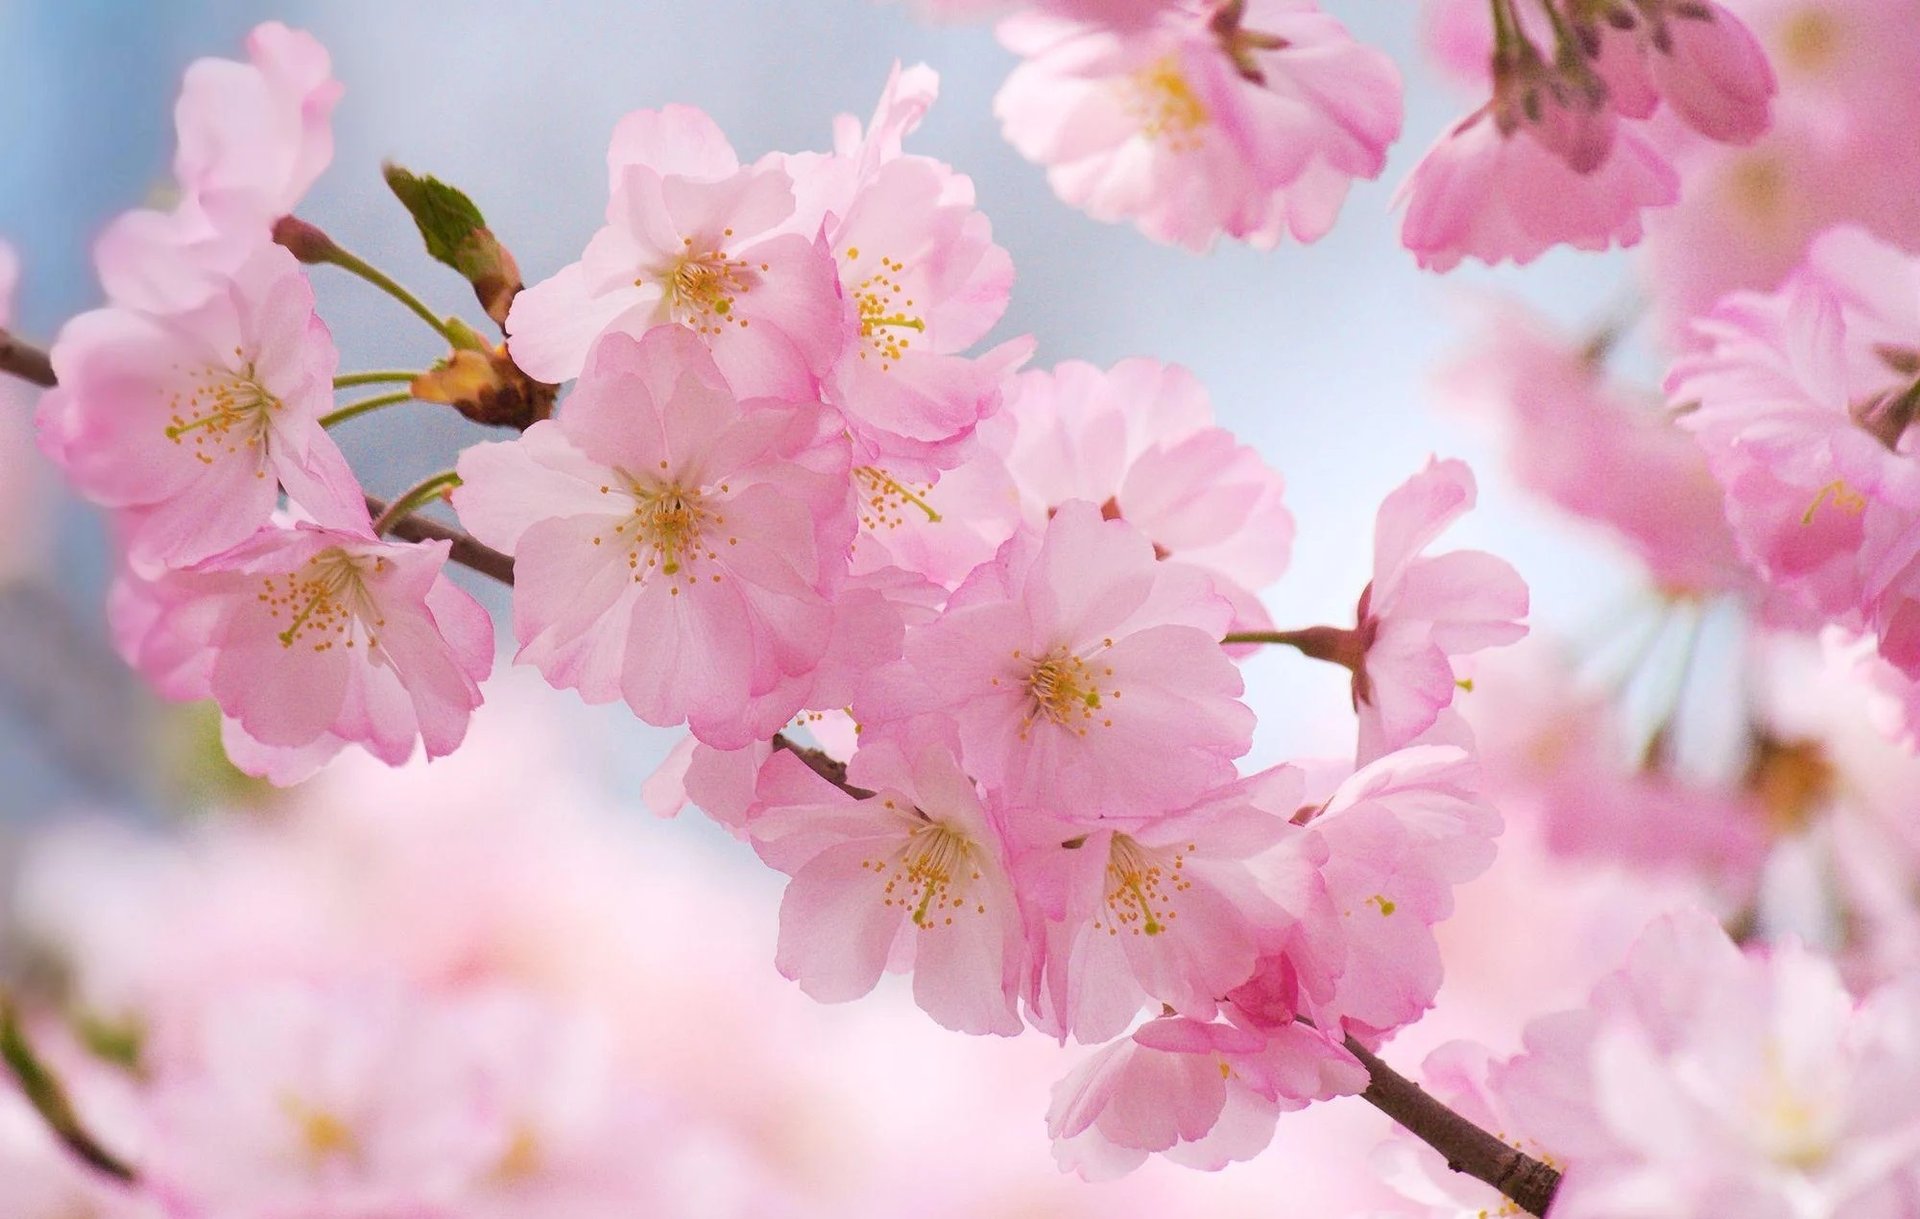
x,y
1467,1148
44,1091
22,360
466,551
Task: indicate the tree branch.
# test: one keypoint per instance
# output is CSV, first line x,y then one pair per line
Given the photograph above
x,y
48,1096
29,363
1467,1148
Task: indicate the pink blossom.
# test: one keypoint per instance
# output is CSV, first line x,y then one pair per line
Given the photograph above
x,y
918,263
914,875
1203,1095
1162,910
1567,755
252,138
1702,1081
938,529
1076,662
1707,65
367,1099
697,241
1801,402
1139,440
677,545
1420,611
1365,886
1840,152
300,1100
309,638
260,129
1479,193
1249,120
1597,449
191,422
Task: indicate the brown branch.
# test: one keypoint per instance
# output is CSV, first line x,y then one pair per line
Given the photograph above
x,y
48,1096
821,763
22,360
1467,1148
466,551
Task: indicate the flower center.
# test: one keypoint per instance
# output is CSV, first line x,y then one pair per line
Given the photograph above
x,y
1162,101
930,875
219,411
1809,40
522,1158
322,1135
883,312
325,603
1758,186
1840,495
1143,886
1064,688
883,499
666,531
701,286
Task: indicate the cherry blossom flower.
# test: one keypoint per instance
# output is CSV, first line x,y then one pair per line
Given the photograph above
x,y
1592,446
1491,190
1420,611
310,638
1139,439
1693,55
252,138
1364,887
1163,909
1703,1081
917,260
1839,152
1203,1095
914,875
1076,662
1250,118
1479,193
1801,400
677,545
694,240
191,422
339,1102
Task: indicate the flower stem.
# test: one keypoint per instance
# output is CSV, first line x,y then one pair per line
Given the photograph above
x,y
382,376
1331,643
44,1091
416,496
363,406
347,260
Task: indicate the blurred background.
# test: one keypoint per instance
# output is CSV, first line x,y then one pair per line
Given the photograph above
x,y
1322,357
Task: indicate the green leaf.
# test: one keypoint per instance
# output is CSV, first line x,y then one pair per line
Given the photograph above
x,y
446,217
457,235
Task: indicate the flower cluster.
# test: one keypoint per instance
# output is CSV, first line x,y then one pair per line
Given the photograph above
x,y
958,642
1566,149
1802,400
1698,1080
193,406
